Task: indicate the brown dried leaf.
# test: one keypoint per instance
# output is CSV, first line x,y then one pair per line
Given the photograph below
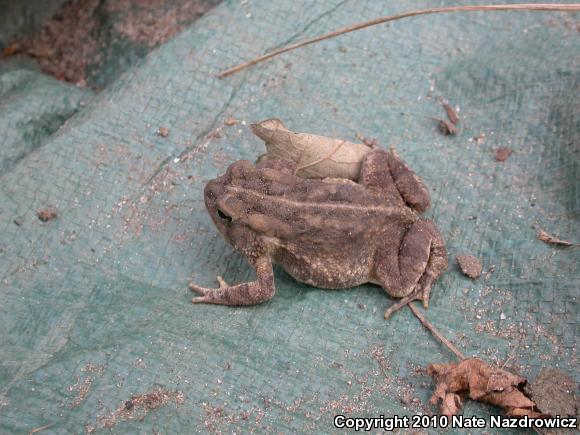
x,y
447,128
315,156
509,400
548,238
451,114
475,379
522,412
501,154
451,404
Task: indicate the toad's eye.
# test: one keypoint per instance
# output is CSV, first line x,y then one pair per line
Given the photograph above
x,y
224,216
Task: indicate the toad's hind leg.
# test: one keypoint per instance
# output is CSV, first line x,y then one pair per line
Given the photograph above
x,y
409,271
387,172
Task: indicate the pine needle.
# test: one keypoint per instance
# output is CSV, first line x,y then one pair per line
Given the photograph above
x,y
541,7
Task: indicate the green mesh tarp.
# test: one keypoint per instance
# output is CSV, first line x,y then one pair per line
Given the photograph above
x,y
33,106
98,332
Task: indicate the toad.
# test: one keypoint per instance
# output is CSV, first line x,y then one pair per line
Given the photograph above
x,y
329,233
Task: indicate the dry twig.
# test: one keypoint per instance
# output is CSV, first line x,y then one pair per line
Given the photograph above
x,y
41,428
541,7
435,332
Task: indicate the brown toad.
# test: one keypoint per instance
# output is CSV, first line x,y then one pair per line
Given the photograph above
x,y
326,233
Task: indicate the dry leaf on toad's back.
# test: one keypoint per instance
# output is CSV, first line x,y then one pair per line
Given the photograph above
x,y
369,141
474,379
316,156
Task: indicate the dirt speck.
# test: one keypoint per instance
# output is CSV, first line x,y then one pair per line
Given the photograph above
x,y
162,131
469,265
47,214
82,388
137,407
230,121
479,139
502,153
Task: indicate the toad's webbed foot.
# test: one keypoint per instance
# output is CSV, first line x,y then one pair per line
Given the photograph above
x,y
249,293
417,294
206,291
410,271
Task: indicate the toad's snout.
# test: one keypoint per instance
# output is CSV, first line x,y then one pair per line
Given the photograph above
x,y
221,202
212,192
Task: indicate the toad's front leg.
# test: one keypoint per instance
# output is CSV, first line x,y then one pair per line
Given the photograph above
x,y
249,293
